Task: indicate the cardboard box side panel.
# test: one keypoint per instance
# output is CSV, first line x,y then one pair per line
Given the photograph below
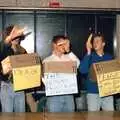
x,y
108,66
24,60
108,77
104,67
26,77
60,67
6,65
93,75
109,84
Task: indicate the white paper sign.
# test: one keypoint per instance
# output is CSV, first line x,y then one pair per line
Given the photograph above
x,y
60,83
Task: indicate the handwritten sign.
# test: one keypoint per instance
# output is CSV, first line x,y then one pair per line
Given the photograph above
x,y
108,77
60,83
26,77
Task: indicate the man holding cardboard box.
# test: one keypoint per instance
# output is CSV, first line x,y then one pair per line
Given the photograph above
x,y
93,100
58,100
10,100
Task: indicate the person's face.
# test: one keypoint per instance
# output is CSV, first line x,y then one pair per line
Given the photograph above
x,y
15,42
98,44
67,45
59,46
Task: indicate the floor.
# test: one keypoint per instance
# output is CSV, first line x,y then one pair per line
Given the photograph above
x,y
61,116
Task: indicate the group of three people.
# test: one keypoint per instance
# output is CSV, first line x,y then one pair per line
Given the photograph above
x,y
15,101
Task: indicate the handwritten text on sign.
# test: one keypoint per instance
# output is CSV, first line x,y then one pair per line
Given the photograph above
x,y
108,77
26,77
60,83
109,83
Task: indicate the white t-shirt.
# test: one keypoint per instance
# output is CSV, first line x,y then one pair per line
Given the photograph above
x,y
65,57
73,57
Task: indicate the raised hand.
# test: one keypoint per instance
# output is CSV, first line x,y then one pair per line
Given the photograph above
x,y
89,44
16,31
67,46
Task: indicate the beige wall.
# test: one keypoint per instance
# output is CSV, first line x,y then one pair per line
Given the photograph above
x,y
7,2
65,3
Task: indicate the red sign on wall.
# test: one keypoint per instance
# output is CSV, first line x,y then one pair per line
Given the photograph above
x,y
54,4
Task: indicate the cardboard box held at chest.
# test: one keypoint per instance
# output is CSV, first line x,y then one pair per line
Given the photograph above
x,y
25,68
107,76
60,77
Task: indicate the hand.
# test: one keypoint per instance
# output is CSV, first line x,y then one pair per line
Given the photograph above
x,y
89,44
16,31
7,69
67,46
14,48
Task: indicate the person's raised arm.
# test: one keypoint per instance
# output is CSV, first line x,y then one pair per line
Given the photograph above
x,y
85,62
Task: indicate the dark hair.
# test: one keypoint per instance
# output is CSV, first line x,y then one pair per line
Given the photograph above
x,y
98,35
7,31
66,37
57,38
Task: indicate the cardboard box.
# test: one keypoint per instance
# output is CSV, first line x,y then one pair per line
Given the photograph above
x,y
26,70
107,75
60,78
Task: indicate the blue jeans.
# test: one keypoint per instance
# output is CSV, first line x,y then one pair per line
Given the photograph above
x,y
95,102
10,100
64,103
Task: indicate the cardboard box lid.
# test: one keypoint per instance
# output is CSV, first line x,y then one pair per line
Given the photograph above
x,y
24,60
60,67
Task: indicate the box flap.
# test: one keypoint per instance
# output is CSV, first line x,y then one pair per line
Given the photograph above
x,y
60,67
104,67
107,66
24,60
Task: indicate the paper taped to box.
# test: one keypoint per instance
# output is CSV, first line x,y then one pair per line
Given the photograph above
x,y
107,75
6,66
60,78
26,70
